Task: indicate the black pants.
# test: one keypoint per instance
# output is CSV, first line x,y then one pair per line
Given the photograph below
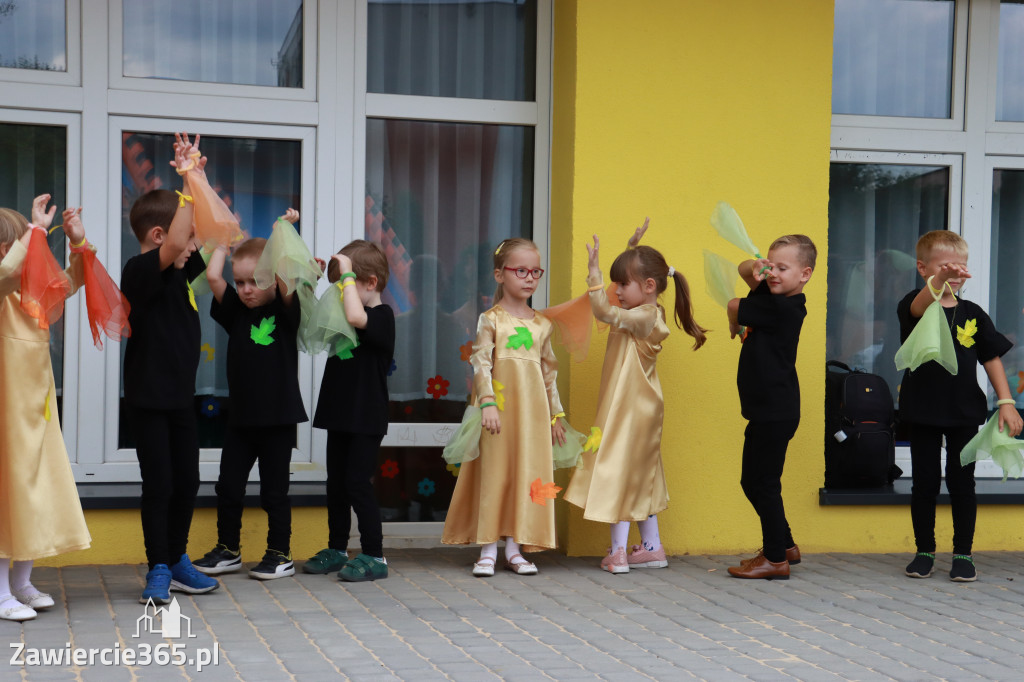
x,y
167,446
351,466
764,456
925,453
271,446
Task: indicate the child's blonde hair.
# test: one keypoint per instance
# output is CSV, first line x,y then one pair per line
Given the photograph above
x,y
940,239
501,254
807,251
13,226
643,262
367,259
250,248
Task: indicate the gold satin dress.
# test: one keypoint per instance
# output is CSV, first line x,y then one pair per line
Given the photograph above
x,y
492,497
625,480
40,514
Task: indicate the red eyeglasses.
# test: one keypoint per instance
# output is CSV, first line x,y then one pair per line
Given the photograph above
x,y
521,273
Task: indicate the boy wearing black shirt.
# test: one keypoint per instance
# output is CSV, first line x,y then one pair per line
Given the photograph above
x,y
353,407
160,361
773,313
936,404
263,386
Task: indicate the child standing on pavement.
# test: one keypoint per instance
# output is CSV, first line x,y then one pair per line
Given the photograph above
x,y
769,389
624,480
353,407
503,492
937,404
160,362
263,385
40,514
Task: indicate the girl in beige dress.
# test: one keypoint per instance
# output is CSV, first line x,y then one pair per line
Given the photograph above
x,y
507,491
40,514
624,480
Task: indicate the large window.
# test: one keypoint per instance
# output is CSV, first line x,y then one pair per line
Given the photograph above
x,y
927,134
32,35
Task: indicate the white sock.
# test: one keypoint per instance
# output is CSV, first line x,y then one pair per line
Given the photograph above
x,y
620,535
512,549
20,574
5,585
649,533
489,552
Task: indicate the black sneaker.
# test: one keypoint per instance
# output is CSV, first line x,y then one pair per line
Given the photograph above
x,y
274,565
219,560
963,570
921,566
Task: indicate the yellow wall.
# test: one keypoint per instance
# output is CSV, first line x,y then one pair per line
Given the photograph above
x,y
663,110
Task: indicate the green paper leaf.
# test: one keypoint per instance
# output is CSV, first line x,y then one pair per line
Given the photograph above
x,y
521,338
262,335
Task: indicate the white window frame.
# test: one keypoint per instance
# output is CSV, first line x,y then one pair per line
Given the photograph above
x,y
118,81
73,52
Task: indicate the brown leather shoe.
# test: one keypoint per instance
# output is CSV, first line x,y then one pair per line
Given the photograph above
x,y
760,568
793,555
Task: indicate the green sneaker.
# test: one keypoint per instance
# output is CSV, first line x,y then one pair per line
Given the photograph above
x,y
326,561
363,569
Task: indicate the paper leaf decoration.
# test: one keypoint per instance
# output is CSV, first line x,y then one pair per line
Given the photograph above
x,y
261,335
437,386
389,469
192,297
46,409
593,440
209,350
466,350
965,334
499,397
521,338
426,487
541,492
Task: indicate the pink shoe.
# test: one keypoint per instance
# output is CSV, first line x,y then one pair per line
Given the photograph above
x,y
616,563
643,558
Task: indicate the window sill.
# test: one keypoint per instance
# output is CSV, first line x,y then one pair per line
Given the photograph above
x,y
989,491
127,495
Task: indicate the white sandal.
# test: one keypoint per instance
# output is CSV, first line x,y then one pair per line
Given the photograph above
x,y
18,612
484,568
521,568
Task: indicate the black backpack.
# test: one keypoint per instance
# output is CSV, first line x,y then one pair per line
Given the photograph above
x,y
860,448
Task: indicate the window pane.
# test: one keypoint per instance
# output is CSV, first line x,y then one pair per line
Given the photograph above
x,y
414,484
439,198
483,49
244,43
35,162
1010,78
1006,278
258,179
893,57
32,35
875,215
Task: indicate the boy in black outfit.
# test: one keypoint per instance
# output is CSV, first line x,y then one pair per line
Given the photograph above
x,y
935,403
263,384
773,313
160,361
353,407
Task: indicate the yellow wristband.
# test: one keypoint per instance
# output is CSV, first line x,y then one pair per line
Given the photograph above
x,y
555,418
348,283
596,287
79,244
1006,401
186,169
935,292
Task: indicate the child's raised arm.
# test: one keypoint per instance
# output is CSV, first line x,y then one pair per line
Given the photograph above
x,y
180,229
215,272
753,271
41,216
925,298
292,216
354,312
634,241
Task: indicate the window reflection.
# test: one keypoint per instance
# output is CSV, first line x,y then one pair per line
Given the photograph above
x,y
1006,277
1010,75
258,179
876,213
250,43
35,162
32,35
440,197
483,49
893,57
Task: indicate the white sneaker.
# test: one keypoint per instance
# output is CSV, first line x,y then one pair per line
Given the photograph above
x,y
33,598
18,612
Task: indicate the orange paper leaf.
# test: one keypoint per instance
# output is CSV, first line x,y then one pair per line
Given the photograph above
x,y
540,492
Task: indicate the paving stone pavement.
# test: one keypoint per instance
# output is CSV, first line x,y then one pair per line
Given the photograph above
x,y
840,617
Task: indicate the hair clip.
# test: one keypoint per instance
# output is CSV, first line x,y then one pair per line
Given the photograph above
x,y
671,271
498,250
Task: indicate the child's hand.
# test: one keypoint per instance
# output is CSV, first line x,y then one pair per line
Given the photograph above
x,y
634,241
41,216
344,263
592,259
73,227
558,432
491,419
291,215
735,330
950,271
1009,416
323,265
760,269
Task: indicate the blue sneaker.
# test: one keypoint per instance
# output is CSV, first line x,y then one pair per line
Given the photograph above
x,y
157,583
185,578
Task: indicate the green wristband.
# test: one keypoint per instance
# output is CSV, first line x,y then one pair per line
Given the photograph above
x,y
345,275
488,404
